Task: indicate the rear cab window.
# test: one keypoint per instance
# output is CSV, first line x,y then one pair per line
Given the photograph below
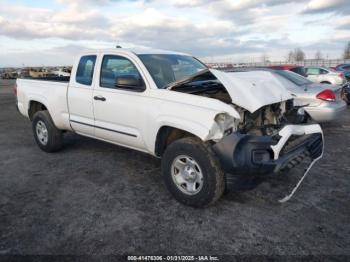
x,y
85,70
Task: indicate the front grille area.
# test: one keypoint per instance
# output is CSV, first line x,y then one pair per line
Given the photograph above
x,y
315,146
294,142
304,156
306,147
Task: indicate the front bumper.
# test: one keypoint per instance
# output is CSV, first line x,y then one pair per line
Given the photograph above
x,y
258,155
247,155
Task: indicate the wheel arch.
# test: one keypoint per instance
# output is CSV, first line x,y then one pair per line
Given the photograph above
x,y
167,134
35,106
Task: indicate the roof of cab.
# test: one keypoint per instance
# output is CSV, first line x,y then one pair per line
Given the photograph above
x,y
138,51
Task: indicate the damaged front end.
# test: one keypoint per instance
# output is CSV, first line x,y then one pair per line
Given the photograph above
x,y
269,136
252,155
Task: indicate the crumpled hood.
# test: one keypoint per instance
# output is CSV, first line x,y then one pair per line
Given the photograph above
x,y
252,90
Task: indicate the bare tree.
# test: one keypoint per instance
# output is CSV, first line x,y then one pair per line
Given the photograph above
x,y
290,56
299,55
296,55
318,55
347,51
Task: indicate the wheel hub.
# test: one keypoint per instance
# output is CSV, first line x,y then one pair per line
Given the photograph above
x,y
187,175
41,132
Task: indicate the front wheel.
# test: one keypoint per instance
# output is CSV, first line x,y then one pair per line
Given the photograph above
x,y
192,173
46,134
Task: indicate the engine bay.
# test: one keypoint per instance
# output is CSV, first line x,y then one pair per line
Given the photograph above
x,y
267,120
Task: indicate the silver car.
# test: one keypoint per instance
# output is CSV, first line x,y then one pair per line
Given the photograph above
x,y
324,75
323,101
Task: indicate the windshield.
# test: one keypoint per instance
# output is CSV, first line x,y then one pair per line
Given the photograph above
x,y
166,69
293,77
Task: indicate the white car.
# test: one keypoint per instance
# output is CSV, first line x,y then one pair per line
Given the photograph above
x,y
324,75
209,127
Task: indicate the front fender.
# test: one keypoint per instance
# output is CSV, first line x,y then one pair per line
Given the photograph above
x,y
192,127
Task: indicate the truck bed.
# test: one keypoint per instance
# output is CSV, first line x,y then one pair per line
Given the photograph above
x,y
51,92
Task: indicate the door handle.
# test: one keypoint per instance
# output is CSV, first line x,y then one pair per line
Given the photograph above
x,y
100,98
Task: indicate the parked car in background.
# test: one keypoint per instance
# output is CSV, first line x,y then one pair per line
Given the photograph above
x,y
323,101
324,75
294,68
345,68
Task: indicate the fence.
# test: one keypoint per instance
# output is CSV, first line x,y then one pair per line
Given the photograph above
x,y
308,62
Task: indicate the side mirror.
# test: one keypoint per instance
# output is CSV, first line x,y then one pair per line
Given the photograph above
x,y
129,82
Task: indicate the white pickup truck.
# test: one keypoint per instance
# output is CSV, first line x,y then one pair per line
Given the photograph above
x,y
209,127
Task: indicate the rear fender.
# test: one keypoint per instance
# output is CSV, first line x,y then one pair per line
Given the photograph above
x,y
36,98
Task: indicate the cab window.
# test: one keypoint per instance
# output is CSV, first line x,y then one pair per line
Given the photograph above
x,y
85,70
120,73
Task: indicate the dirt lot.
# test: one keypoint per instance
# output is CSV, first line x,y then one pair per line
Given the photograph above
x,y
97,198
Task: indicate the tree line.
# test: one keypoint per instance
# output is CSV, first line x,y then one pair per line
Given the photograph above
x,y
298,55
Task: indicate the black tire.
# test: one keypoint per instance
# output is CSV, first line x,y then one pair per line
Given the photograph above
x,y
213,176
54,135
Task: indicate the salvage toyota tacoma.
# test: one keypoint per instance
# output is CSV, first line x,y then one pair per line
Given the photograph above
x,y
207,126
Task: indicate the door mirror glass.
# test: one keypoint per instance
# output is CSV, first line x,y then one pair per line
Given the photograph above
x,y
128,82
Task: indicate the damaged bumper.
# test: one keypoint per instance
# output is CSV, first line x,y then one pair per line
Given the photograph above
x,y
258,155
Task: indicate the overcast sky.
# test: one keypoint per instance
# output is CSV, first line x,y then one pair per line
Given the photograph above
x,y
46,32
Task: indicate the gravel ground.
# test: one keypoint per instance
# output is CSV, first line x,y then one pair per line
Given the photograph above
x,y
97,198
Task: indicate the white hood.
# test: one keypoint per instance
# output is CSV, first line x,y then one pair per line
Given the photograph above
x,y
252,90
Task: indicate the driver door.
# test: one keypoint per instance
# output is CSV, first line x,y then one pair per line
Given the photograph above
x,y
119,110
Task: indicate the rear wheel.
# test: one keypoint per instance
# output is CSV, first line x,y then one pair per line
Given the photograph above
x,y
46,135
192,173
